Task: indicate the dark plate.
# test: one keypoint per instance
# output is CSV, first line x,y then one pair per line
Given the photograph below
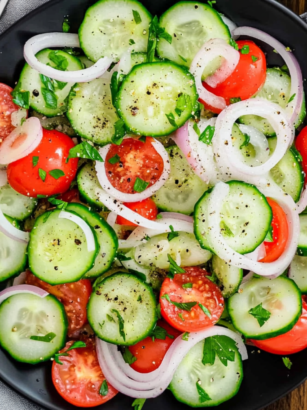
x,y
266,378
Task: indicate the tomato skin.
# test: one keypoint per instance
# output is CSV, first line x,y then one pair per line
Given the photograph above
x,y
203,291
146,208
247,78
7,107
301,146
79,378
52,152
280,233
72,195
149,353
137,159
291,342
74,296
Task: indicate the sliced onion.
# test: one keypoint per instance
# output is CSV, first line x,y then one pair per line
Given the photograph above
x,y
227,156
18,116
90,240
258,253
302,203
122,196
9,230
3,177
248,277
138,385
111,219
15,290
210,50
22,141
20,279
225,252
53,40
125,64
177,215
294,107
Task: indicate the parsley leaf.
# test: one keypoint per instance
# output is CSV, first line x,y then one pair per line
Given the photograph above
x,y
158,311
171,119
172,234
138,404
183,59
211,3
226,231
142,138
181,317
76,345
58,203
140,185
173,267
66,25
291,98
21,98
35,161
233,44
104,389
185,336
114,86
246,141
119,132
42,174
205,310
160,333
269,235
114,160
287,362
245,49
122,257
262,315
254,58
128,356
131,42
110,318
285,68
221,346
207,135
156,33
47,82
84,150
183,102
196,129
51,100
121,323
60,62
137,17
187,286
235,100
203,396
187,306
47,338
56,173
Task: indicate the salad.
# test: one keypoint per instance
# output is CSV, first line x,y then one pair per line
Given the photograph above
x,y
152,205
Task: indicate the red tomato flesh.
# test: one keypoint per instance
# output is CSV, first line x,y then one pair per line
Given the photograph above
x,y
291,342
301,146
203,291
52,152
137,159
74,296
248,77
280,233
7,107
79,378
150,353
146,208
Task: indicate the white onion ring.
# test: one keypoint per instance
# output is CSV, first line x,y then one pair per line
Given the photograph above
x,y
225,252
15,290
148,192
227,156
12,149
18,116
294,107
90,240
3,177
150,385
124,65
248,277
111,219
9,230
257,254
210,50
177,215
53,40
302,203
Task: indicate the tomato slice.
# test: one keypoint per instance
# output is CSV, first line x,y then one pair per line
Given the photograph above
x,y
248,77
203,291
136,159
150,353
73,195
79,378
146,208
291,342
52,152
74,297
7,107
301,146
280,233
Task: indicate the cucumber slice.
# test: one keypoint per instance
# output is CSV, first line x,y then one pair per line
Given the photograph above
x,y
109,25
246,218
125,295
281,297
13,255
220,382
298,272
91,112
183,188
288,173
15,205
58,250
229,277
106,237
30,81
26,315
150,93
184,247
276,89
88,183
302,241
190,24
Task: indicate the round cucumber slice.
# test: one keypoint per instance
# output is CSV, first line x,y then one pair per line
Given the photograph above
x,y
15,205
265,308
122,309
156,98
109,25
298,272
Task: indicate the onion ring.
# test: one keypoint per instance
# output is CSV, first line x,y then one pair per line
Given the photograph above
x,y
15,290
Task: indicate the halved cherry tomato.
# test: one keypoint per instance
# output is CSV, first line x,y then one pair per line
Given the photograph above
x,y
7,107
301,146
203,291
280,233
146,208
149,353
247,78
291,342
52,153
74,297
79,379
136,159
